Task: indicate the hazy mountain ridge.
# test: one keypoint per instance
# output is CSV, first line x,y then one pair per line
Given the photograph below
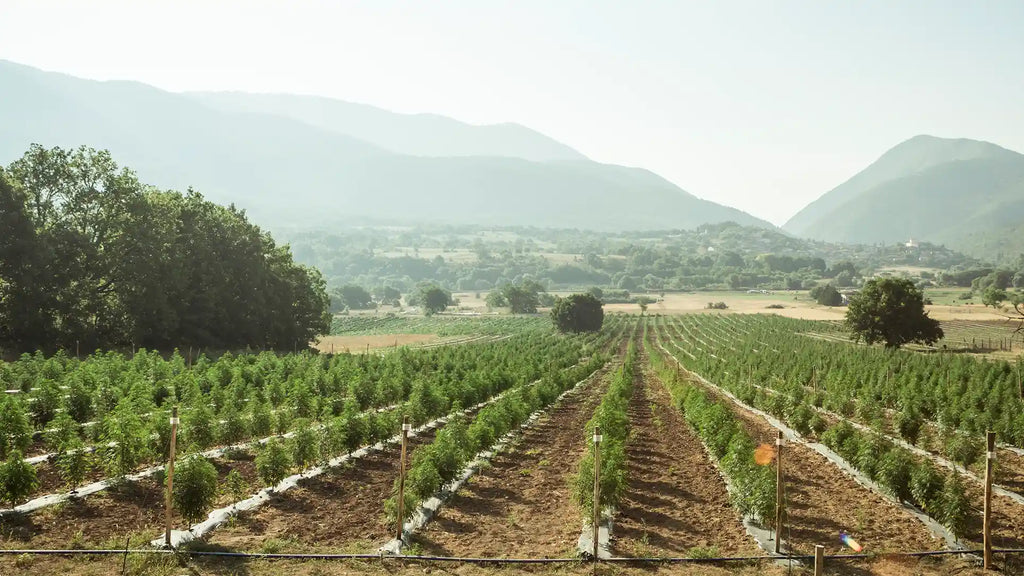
x,y
940,190
287,172
412,134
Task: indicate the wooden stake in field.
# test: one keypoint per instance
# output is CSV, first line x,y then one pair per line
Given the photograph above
x,y
406,427
596,520
987,522
819,560
170,477
778,493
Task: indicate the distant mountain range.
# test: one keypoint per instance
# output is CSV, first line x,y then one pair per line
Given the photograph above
x,y
964,193
304,161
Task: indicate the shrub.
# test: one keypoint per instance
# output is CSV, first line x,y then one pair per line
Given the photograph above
x,y
124,440
234,427
894,470
305,448
908,424
925,486
73,462
61,430
262,418
195,487
273,462
954,508
963,448
17,478
235,486
198,426
15,429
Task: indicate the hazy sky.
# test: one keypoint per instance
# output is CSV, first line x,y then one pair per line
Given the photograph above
x,y
763,105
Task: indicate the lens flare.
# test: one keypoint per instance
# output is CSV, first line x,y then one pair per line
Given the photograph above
x,y
849,541
764,454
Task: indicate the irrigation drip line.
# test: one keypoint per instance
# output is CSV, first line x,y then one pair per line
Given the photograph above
x,y
473,560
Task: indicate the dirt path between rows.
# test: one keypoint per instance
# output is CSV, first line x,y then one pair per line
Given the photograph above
x,y
342,509
521,506
675,500
822,501
108,518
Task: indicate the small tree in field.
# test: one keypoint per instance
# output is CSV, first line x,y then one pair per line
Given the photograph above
x,y
434,300
195,488
17,478
273,462
891,310
578,313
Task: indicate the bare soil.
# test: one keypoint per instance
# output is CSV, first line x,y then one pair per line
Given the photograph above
x,y
522,506
342,509
675,500
355,344
108,518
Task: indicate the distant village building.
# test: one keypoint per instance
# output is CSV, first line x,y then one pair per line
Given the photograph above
x,y
911,243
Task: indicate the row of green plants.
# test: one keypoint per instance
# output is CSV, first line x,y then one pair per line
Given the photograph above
x,y
612,418
437,464
753,486
914,480
955,391
940,494
466,375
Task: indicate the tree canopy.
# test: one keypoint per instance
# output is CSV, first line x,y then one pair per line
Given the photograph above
x,y
891,310
92,257
352,297
826,295
578,313
432,298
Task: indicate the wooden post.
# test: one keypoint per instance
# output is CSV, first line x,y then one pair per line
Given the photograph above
x,y
778,493
189,356
819,560
406,427
170,476
987,522
596,519
77,350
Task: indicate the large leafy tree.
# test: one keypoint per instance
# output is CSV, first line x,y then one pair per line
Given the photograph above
x,y
578,313
90,257
434,299
891,310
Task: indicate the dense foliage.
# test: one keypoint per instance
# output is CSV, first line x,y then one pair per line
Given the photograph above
x,y
722,256
891,310
90,257
578,313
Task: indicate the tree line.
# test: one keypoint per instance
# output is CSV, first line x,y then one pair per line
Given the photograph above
x,y
92,258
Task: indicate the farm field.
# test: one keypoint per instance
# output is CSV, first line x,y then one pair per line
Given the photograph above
x,y
687,405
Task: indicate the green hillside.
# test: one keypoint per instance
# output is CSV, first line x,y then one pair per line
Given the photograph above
x,y
287,172
963,193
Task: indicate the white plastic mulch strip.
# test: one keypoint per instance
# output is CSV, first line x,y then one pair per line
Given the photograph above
x,y
937,529
428,509
585,544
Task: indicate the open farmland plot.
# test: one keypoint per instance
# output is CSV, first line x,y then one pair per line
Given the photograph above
x,y
433,381
870,406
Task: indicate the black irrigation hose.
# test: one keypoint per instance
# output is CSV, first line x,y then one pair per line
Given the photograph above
x,y
469,560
